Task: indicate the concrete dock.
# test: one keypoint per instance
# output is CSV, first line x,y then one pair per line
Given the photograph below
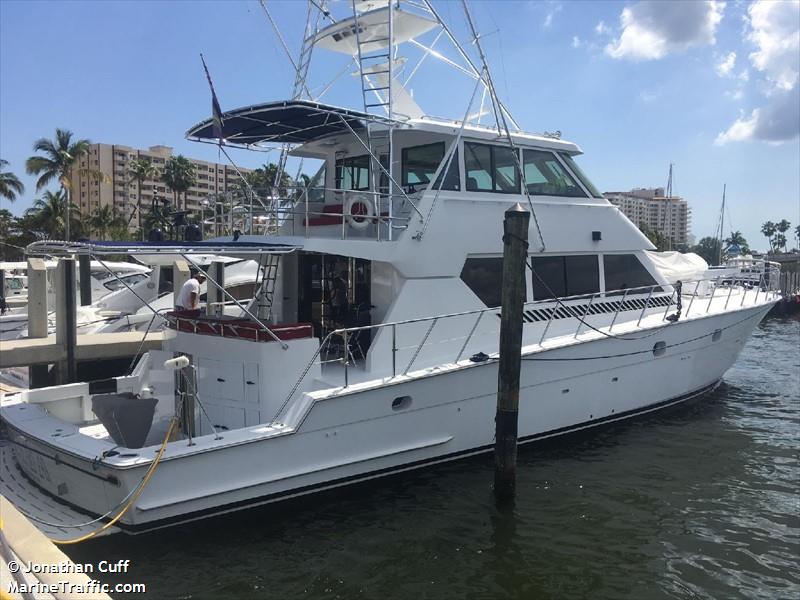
x,y
26,352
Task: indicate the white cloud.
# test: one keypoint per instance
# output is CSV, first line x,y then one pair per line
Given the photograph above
x,y
576,42
555,8
774,28
726,65
736,94
651,29
601,28
776,34
777,121
649,95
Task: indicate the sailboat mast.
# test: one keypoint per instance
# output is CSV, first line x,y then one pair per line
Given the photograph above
x,y
721,224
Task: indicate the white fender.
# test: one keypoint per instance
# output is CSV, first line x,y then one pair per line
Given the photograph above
x,y
364,214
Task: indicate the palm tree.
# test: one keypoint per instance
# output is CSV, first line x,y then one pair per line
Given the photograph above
x,y
179,175
737,239
48,212
61,156
769,229
141,170
105,218
10,185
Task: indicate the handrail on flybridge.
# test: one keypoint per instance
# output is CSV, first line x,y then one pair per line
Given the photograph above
x,y
64,248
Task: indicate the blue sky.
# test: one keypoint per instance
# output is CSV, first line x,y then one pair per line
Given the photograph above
x,y
711,87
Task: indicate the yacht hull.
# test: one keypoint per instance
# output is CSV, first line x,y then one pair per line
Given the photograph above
x,y
358,434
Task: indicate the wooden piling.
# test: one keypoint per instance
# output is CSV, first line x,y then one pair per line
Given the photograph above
x,y
515,251
66,319
85,275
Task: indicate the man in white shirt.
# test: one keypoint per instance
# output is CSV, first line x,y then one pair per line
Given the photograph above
x,y
189,296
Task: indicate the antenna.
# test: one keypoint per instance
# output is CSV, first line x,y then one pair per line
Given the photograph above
x,y
719,233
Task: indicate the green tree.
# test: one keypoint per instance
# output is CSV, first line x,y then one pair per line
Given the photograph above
x,y
59,158
769,229
736,238
10,185
797,234
709,249
658,239
48,212
141,170
179,175
104,219
779,241
782,227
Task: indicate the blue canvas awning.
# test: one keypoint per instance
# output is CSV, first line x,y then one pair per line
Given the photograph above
x,y
288,121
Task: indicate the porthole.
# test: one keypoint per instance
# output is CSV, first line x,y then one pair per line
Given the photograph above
x,y
401,403
659,348
717,335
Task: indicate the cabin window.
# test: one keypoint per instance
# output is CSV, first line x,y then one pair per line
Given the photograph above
x,y
491,169
560,276
626,272
419,163
484,276
580,174
452,179
352,173
316,187
545,176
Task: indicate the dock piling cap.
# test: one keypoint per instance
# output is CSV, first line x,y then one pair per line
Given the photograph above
x,y
516,210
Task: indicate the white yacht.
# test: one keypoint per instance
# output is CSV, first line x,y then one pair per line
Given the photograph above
x,y
106,277
372,346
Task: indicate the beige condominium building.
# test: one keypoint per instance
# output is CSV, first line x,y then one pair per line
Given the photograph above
x,y
119,190
669,215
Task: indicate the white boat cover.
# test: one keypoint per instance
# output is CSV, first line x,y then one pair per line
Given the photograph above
x,y
676,266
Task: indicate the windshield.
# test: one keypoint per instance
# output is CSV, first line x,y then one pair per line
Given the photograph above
x,y
580,175
116,284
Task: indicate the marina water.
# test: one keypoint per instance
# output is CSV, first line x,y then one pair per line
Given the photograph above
x,y
699,502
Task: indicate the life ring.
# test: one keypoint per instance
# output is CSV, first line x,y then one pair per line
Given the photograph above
x,y
360,212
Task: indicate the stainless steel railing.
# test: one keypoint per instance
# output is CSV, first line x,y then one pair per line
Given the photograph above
x,y
291,211
632,299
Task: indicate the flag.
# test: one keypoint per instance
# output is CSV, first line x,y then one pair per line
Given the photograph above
x,y
216,111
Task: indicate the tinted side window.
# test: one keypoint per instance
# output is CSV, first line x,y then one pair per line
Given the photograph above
x,y
478,165
545,176
559,276
484,276
549,278
420,163
352,173
583,275
452,179
491,169
624,272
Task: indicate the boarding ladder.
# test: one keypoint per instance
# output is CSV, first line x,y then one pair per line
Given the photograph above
x,y
266,287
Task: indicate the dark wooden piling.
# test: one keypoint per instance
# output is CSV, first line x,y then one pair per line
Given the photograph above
x,y
515,251
66,319
85,274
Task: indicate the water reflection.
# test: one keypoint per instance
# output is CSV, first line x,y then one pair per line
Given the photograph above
x,y
697,502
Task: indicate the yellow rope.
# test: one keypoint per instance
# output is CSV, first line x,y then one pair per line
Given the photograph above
x,y
142,485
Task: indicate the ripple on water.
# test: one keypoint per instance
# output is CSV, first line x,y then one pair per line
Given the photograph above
x,y
701,502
